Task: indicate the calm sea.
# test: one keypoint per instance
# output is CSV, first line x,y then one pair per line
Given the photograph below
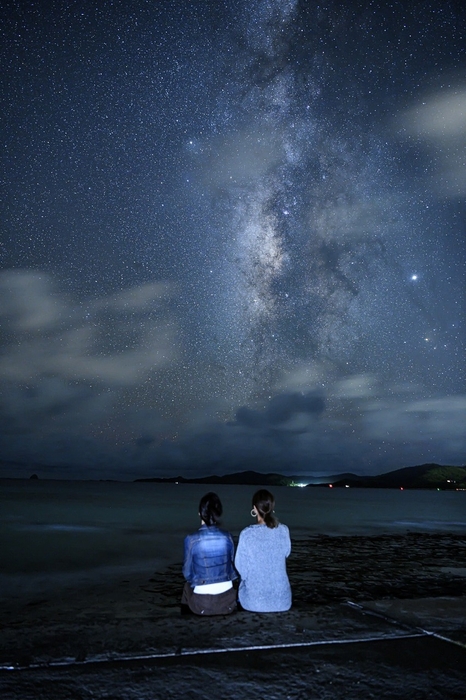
x,y
88,529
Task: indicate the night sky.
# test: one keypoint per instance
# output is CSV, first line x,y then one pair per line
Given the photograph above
x,y
232,237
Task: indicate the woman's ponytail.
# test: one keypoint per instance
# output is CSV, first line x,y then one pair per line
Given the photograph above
x,y
210,509
264,503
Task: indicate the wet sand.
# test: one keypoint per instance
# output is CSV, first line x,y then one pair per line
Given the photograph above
x,y
380,616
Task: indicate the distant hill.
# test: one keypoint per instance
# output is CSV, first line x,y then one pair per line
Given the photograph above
x,y
248,478
425,476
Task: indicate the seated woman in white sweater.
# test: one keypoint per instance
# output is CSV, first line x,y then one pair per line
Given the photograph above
x,y
261,559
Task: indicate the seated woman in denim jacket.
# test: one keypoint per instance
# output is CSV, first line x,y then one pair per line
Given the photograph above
x,y
208,564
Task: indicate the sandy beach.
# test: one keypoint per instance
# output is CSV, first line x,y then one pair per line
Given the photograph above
x,y
381,616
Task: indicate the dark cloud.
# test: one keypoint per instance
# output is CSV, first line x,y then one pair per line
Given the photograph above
x,y
249,417
284,406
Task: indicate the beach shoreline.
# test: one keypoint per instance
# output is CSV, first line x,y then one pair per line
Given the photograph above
x,y
399,584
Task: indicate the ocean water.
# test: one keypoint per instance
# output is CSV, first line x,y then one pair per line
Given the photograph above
x,y
89,529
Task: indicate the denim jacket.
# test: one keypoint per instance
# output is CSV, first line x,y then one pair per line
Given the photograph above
x,y
208,556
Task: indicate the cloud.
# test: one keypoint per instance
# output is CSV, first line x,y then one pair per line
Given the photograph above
x,y
357,386
419,421
293,433
136,299
29,301
82,382
280,410
439,121
284,406
305,377
69,369
249,418
112,341
441,115
51,401
356,426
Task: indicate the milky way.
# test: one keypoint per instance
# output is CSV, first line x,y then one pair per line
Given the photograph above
x,y
233,237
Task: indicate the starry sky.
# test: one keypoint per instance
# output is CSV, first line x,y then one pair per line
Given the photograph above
x,y
232,237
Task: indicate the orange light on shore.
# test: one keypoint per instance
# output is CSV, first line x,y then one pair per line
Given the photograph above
x,y
401,488
330,486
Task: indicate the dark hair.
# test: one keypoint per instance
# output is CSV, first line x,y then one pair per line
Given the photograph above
x,y
210,508
264,502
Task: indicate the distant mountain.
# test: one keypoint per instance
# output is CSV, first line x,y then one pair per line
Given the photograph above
x,y
250,478
420,477
424,476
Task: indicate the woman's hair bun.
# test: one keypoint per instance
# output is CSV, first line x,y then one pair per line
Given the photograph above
x,y
264,503
210,508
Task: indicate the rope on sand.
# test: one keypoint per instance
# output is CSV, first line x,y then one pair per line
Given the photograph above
x,y
393,621
119,658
